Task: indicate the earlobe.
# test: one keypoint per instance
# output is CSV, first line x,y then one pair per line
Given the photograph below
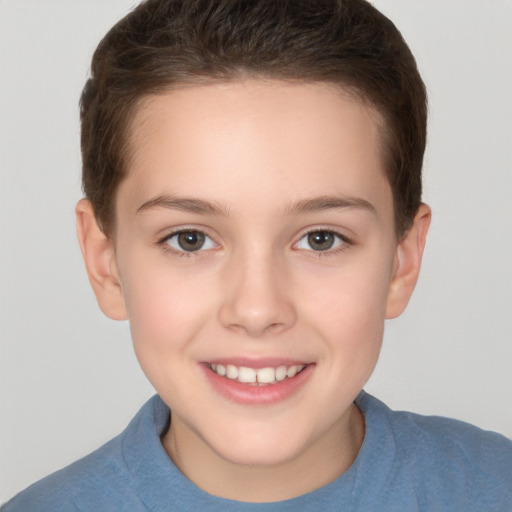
x,y
408,262
100,262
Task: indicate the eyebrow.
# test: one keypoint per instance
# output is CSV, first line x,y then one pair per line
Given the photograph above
x,y
185,204
203,207
329,203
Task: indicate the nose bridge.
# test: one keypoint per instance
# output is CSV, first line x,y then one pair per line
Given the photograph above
x,y
256,298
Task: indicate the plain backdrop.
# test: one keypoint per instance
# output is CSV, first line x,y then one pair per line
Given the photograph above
x,y
69,378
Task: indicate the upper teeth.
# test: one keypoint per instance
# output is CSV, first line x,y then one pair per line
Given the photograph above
x,y
267,375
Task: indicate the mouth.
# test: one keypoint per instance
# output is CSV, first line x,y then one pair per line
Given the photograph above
x,y
262,383
257,376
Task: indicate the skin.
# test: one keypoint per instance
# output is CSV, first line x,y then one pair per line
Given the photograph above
x,y
264,155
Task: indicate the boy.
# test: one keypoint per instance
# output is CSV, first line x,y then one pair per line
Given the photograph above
x,y
253,181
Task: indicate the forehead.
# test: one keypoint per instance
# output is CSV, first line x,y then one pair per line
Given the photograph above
x,y
274,138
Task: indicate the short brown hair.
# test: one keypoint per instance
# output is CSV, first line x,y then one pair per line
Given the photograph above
x,y
167,43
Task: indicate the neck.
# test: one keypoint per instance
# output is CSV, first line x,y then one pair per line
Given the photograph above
x,y
324,460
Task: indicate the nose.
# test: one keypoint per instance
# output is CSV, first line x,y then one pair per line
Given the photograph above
x,y
257,297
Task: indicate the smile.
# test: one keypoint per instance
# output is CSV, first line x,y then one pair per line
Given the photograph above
x,y
257,376
265,382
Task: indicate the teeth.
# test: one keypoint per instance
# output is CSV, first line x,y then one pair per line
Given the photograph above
x,y
231,372
281,373
246,374
261,375
266,375
291,372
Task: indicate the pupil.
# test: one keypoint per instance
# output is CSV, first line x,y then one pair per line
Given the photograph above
x,y
321,240
191,240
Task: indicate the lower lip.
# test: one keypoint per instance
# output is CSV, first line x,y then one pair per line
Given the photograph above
x,y
250,394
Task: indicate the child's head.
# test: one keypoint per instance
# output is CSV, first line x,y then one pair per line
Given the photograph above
x,y
163,45
255,170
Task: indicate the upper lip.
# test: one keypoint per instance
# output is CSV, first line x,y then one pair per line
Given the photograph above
x,y
266,362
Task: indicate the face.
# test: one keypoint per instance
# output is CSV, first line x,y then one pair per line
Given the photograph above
x,y
255,254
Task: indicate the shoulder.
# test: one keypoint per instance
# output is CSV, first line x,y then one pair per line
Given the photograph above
x,y
64,489
100,481
448,457
449,443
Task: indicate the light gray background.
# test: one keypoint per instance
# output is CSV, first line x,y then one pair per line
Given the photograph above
x,y
69,379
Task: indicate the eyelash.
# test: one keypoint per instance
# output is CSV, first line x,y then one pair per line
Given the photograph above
x,y
345,242
163,242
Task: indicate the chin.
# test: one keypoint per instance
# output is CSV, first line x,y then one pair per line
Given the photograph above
x,y
257,449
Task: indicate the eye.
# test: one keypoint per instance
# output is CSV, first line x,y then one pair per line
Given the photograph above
x,y
321,240
189,240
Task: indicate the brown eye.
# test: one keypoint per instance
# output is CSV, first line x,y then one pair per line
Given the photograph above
x,y
190,240
321,240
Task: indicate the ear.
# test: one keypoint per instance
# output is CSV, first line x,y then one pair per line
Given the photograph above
x,y
100,262
409,253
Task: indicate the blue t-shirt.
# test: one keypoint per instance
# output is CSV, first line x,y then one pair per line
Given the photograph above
x,y
407,463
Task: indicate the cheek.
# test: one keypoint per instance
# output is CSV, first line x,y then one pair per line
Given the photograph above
x,y
348,309
355,292
166,307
